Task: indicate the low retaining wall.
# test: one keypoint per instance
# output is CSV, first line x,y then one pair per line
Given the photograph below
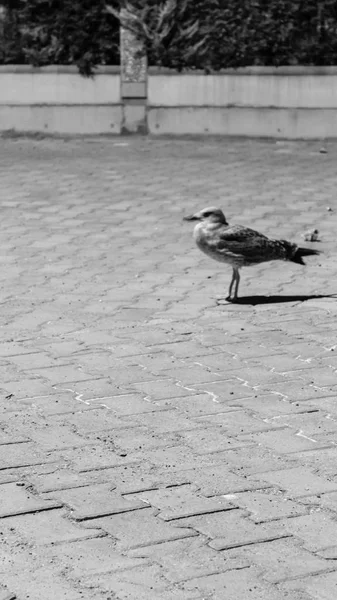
x,y
283,102
58,100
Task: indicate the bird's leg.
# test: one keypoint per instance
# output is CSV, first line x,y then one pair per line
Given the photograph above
x,y
231,285
237,281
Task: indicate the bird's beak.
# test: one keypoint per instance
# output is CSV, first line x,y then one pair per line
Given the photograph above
x,y
191,218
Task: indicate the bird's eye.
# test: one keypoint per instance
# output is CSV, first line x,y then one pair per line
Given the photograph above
x,y
207,214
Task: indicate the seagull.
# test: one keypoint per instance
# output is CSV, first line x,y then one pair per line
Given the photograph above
x,y
240,246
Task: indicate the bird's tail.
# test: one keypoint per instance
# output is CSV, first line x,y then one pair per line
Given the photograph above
x,y
289,251
300,252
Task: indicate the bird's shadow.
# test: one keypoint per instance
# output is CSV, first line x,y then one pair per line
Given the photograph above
x,y
274,299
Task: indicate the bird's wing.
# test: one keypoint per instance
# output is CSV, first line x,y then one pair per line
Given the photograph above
x,y
242,241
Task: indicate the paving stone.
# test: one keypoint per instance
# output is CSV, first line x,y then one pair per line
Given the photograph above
x,y
225,391
6,438
240,584
182,501
321,461
219,363
61,374
89,458
211,439
62,479
315,531
90,556
36,360
189,374
174,421
320,377
266,505
55,438
135,439
12,348
54,404
257,460
94,501
138,477
246,350
271,406
238,422
175,458
256,376
140,528
328,501
231,529
299,482
16,500
94,420
186,349
283,363
43,528
287,441
296,391
188,558
147,583
218,480
21,455
87,390
26,388
40,583
279,560
318,587
160,389
327,405
195,406
130,404
315,424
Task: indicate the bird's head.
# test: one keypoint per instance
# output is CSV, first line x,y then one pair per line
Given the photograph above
x,y
210,215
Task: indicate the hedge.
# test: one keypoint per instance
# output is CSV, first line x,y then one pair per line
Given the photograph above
x,y
216,34
180,34
43,32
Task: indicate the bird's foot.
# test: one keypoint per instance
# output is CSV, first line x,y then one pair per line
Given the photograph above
x,y
231,299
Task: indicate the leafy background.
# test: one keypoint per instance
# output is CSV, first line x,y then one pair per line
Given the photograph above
x,y
180,34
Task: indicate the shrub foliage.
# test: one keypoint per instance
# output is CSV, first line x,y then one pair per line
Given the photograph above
x,y
216,34
181,34
43,32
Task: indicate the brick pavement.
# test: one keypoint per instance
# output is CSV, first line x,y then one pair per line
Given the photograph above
x,y
155,442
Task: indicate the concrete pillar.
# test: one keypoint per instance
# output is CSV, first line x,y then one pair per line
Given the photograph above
x,y
133,82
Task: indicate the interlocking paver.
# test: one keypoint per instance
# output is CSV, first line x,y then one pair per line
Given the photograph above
x,y
267,505
231,529
16,500
316,531
128,382
315,587
187,558
240,584
94,501
140,528
44,528
299,482
280,559
182,501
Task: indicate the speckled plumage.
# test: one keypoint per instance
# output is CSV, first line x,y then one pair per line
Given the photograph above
x,y
240,246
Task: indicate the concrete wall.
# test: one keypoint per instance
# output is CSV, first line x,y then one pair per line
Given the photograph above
x,y
58,100
284,102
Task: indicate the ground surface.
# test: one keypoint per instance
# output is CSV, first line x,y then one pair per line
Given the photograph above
x,y
157,443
